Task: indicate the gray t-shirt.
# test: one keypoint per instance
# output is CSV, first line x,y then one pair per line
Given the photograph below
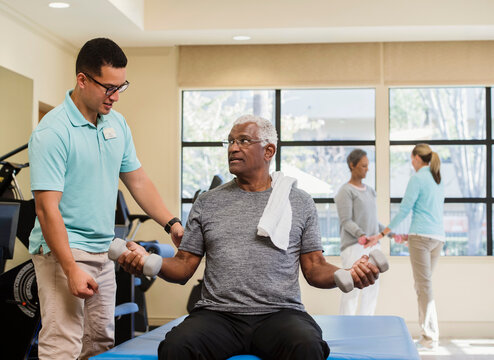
x,y
245,273
357,211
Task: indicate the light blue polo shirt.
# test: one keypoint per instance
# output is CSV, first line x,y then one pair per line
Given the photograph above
x,y
69,154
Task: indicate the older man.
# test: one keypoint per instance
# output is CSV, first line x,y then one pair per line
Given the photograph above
x,y
250,297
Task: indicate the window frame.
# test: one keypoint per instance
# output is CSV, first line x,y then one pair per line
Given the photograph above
x,y
280,144
487,142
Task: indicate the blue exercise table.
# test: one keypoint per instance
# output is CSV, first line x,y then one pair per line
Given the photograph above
x,y
349,337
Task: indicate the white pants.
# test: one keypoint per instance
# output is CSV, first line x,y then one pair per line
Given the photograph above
x,y
424,253
75,328
368,300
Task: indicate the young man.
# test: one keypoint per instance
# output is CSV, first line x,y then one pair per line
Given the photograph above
x,y
77,154
251,296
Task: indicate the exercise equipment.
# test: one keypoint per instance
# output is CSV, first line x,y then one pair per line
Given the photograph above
x,y
152,262
19,311
10,192
9,216
344,279
349,337
19,306
9,187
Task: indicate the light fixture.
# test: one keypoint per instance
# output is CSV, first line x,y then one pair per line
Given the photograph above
x,y
59,5
241,37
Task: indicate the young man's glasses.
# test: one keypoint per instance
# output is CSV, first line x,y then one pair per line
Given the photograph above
x,y
110,90
243,143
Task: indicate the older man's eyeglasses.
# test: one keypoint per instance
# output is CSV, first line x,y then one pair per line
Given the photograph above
x,y
242,142
110,90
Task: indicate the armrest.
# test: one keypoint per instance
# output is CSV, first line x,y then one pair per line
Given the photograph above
x,y
140,217
126,308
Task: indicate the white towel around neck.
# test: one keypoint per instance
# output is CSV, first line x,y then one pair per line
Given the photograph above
x,y
276,220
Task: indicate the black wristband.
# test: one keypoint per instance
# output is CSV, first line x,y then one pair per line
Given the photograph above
x,y
382,233
170,223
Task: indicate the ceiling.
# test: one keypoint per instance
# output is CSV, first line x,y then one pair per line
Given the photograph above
x,y
148,23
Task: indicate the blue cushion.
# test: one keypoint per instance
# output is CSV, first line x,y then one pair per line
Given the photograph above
x,y
126,308
349,337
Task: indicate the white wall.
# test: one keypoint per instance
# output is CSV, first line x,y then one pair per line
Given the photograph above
x,y
32,52
50,63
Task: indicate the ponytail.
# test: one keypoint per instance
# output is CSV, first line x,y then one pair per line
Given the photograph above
x,y
435,165
431,158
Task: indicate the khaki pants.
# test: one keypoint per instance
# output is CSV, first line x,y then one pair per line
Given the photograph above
x,y
424,253
75,328
368,298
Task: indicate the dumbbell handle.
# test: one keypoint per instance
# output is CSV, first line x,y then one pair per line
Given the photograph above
x,y
152,262
343,278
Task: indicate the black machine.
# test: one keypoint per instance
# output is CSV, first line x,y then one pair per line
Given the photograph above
x,y
10,192
8,182
19,307
9,216
19,310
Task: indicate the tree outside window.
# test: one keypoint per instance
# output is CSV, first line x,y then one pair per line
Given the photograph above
x,y
313,145
453,121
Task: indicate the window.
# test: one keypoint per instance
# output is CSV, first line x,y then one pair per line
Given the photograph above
x,y
453,121
207,117
314,140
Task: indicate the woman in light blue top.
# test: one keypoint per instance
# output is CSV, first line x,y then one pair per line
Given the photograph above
x,y
424,196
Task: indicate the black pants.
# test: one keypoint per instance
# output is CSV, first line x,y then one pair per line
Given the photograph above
x,y
213,335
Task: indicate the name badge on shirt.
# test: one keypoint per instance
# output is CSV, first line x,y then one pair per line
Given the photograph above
x,y
109,133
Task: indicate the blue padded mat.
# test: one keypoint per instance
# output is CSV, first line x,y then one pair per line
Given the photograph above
x,y
349,337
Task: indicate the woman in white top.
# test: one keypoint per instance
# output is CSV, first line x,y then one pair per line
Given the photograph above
x,y
357,211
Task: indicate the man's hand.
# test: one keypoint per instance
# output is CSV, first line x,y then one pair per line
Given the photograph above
x,y
132,261
80,283
364,273
176,232
372,240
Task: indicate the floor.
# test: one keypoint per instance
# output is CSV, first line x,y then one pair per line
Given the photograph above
x,y
461,349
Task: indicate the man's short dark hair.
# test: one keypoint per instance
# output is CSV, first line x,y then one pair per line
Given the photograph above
x,y
97,53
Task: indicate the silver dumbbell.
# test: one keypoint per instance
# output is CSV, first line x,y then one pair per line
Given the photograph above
x,y
343,278
152,262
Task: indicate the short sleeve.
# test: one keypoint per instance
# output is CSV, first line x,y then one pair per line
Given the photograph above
x,y
193,239
130,162
47,160
311,235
